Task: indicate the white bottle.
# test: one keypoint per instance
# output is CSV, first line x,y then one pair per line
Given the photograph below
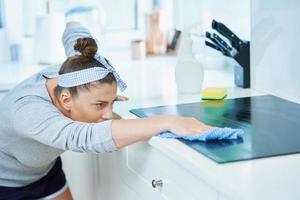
x,y
189,71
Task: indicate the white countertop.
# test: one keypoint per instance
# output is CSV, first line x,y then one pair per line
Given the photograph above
x,y
266,178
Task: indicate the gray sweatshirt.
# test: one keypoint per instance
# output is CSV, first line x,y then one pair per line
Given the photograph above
x,y
33,132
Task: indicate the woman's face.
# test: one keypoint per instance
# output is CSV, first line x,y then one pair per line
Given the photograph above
x,y
95,104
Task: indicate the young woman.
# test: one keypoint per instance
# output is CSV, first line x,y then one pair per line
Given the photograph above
x,y
68,107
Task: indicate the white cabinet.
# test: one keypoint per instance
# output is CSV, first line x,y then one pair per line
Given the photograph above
x,y
116,181
80,170
129,174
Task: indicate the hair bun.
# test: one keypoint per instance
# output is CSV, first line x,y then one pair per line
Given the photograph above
x,y
86,46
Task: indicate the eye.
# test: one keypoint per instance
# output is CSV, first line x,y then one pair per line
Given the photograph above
x,y
100,105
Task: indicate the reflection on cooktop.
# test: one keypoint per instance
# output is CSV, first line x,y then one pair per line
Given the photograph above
x,y
271,125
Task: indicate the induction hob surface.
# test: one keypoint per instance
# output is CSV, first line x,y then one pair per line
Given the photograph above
x,y
271,125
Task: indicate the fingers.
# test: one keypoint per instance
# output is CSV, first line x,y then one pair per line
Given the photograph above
x,y
199,128
189,126
121,98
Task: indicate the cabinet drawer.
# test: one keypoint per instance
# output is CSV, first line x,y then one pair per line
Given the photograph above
x,y
150,164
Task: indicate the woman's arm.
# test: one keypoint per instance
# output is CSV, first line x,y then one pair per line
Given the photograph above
x,y
128,131
38,119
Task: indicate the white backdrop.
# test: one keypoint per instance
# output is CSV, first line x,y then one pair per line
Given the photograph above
x,y
275,35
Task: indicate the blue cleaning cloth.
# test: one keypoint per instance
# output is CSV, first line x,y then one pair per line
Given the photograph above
x,y
216,134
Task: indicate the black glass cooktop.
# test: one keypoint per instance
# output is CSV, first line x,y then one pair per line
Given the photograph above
x,y
271,125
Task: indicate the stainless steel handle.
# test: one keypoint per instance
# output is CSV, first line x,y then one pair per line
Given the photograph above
x,y
157,183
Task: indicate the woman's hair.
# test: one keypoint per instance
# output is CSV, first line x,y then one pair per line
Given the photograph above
x,y
88,48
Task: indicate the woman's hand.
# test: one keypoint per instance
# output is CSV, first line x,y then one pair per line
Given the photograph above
x,y
121,98
187,126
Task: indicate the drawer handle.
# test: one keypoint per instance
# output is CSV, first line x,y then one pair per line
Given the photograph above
x,y
157,183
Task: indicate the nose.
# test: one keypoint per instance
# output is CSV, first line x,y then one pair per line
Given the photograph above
x,y
108,113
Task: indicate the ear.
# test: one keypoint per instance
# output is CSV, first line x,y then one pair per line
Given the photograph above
x,y
66,100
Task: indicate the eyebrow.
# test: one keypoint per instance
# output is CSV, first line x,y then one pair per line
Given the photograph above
x,y
101,101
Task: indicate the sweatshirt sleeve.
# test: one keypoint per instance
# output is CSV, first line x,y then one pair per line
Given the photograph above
x,y
73,31
38,119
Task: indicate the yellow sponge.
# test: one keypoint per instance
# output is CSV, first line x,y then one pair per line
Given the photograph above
x,y
214,93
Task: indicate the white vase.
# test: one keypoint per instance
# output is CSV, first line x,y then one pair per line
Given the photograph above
x,y
189,71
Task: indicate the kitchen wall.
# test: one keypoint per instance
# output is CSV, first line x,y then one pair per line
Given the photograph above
x,y
275,33
234,14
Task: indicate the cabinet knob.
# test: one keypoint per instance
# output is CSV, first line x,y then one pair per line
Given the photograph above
x,y
157,183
